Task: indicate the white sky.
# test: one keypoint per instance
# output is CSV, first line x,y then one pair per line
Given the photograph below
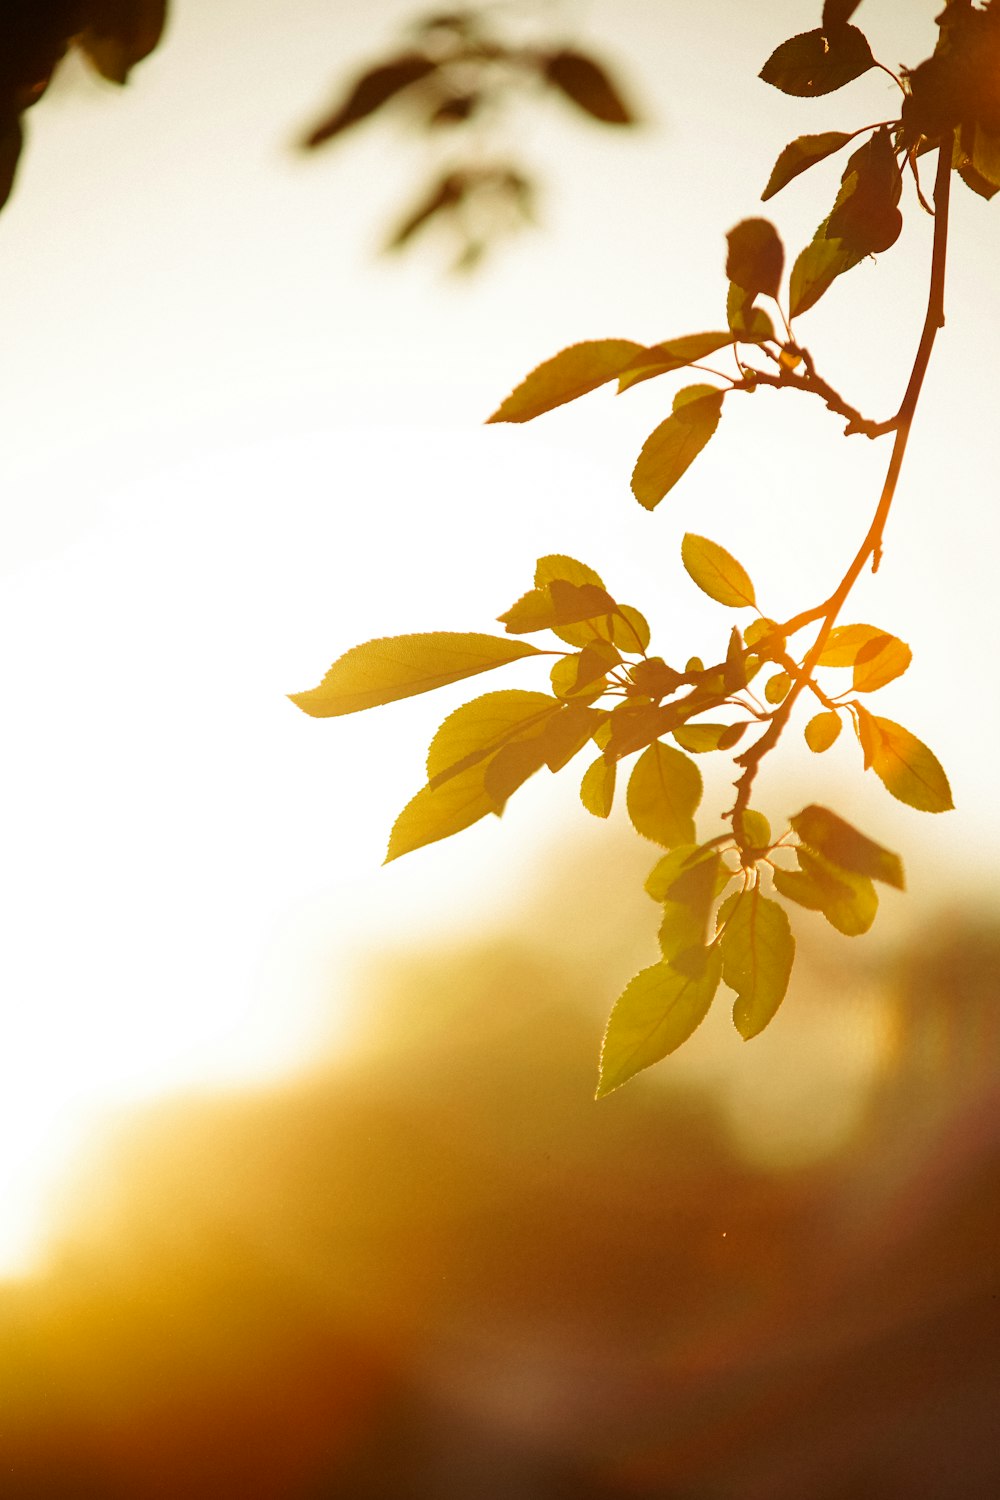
x,y
235,443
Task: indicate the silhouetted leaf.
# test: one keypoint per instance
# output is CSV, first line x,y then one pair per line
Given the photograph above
x,y
399,666
120,33
801,154
663,794
818,62
757,954
658,1010
566,376
755,257
748,322
837,12
479,729
11,140
986,156
822,730
676,443
905,766
716,572
370,92
673,354
845,846
586,83
597,789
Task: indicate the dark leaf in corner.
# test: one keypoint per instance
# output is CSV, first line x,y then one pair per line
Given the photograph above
x,y
818,62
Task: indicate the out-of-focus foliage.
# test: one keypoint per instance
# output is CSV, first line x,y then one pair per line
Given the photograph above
x,y
455,79
35,35
719,925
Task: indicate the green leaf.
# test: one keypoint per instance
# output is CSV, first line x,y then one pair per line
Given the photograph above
x,y
843,845
848,901
557,603
822,730
117,35
906,767
672,354
586,84
657,1011
400,666
664,791
818,62
479,729
757,954
801,154
716,572
673,446
597,790
568,375
746,321
755,257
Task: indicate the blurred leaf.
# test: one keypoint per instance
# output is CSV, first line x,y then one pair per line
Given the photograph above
x,y
399,666
120,33
822,730
755,257
567,375
664,791
842,844
479,729
716,572
757,954
906,767
443,196
370,92
11,140
676,443
585,82
818,62
801,154
597,790
745,320
658,1010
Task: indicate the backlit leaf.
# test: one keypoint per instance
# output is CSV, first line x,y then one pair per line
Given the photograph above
x,y
848,901
667,869
370,92
567,568
477,730
748,322
588,86
754,831
778,687
510,768
700,738
757,954
765,636
657,1011
664,791
734,677
907,768
584,674
557,603
880,661
653,677
398,666
755,257
843,845
567,732
673,354
800,155
673,446
597,790
635,724
986,156
845,641
716,572
570,374
818,62
822,730
436,813
688,903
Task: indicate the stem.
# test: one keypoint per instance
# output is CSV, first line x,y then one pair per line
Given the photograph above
x,y
871,547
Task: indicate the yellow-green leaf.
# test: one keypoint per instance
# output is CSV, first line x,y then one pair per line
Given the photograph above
x,y
757,954
479,729
907,768
688,903
842,844
597,789
700,738
657,1011
676,443
664,791
778,687
570,374
848,902
754,831
438,812
716,572
822,730
400,666
801,154
672,354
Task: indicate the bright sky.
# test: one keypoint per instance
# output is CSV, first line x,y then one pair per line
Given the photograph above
x,y
235,443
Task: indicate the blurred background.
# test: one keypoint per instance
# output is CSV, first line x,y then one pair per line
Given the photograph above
x,y
303,1191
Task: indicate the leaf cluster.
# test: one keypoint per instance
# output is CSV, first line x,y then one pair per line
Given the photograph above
x,y
454,76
